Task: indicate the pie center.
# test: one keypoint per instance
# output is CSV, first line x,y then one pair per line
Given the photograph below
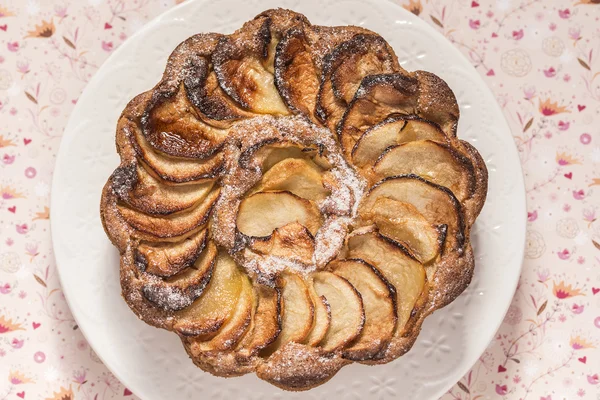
x,y
288,198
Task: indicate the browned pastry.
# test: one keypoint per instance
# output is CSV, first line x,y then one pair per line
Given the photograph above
x,y
291,200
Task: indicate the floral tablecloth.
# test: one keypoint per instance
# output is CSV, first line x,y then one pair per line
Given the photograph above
x,y
541,58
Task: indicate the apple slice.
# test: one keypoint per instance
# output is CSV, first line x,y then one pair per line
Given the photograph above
x,y
190,63
215,307
166,259
363,55
436,162
405,273
393,130
171,125
297,311
243,63
234,329
379,96
121,230
172,169
274,154
436,203
379,300
347,311
266,322
301,177
272,151
179,291
261,213
292,241
151,195
344,68
322,317
296,76
202,88
403,223
171,225
262,330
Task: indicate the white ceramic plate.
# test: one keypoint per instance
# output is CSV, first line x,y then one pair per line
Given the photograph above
x,y
152,362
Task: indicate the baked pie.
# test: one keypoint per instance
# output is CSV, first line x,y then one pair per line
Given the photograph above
x,y
291,200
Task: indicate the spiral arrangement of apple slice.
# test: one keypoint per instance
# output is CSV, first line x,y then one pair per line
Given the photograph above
x,y
291,200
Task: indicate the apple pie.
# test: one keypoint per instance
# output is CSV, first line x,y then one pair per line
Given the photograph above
x,y
291,200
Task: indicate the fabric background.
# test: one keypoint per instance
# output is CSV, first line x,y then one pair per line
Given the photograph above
x,y
540,58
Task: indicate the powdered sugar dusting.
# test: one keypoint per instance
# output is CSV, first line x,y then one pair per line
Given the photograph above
x,y
167,297
330,240
295,364
244,141
269,267
243,171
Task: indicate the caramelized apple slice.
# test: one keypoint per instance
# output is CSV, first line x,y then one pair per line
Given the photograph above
x,y
436,203
301,177
216,305
274,154
297,311
172,126
262,330
405,273
420,93
322,317
173,224
394,130
235,328
166,259
172,169
347,311
292,241
270,152
121,231
296,75
351,61
403,223
344,68
377,97
190,63
266,321
436,162
214,106
179,291
260,214
149,194
379,300
244,66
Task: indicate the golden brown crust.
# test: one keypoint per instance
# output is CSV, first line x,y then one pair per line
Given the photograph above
x,y
300,367
303,116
